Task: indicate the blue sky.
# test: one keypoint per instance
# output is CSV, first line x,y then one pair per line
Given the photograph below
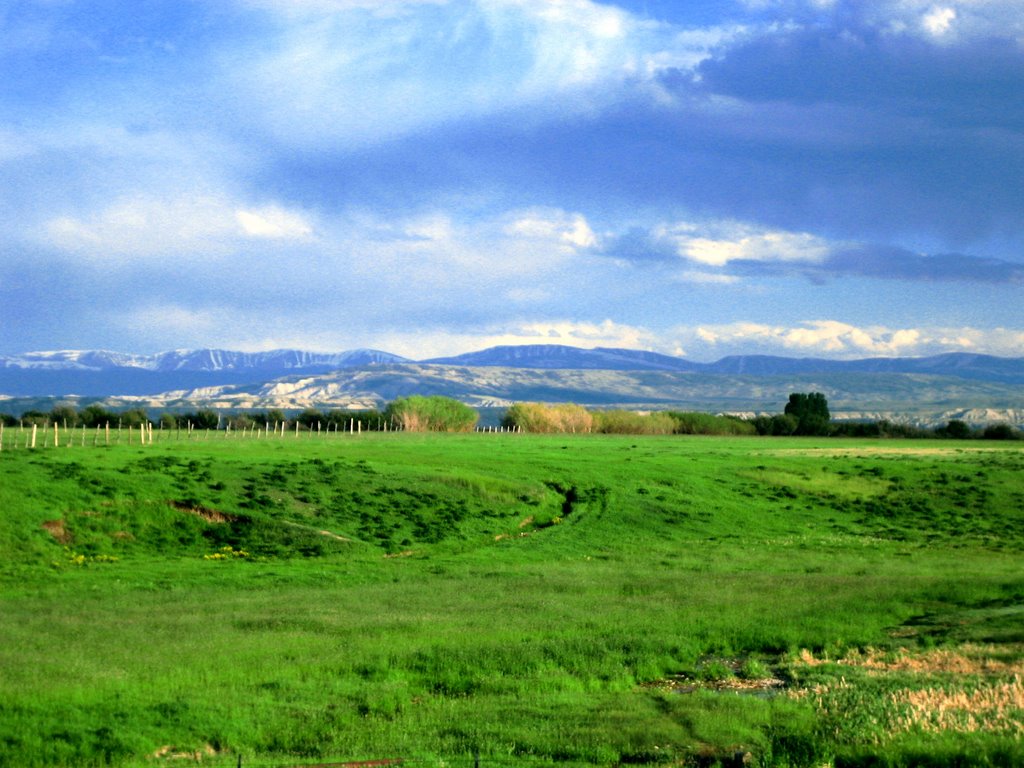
x,y
800,177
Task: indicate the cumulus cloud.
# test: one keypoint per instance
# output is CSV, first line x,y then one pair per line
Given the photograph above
x,y
559,228
726,251
833,338
718,243
938,21
273,222
185,227
715,244
605,333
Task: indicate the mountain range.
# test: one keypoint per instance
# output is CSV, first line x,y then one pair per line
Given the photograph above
x,y
100,372
923,389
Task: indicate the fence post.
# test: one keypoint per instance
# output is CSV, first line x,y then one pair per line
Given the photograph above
x,y
34,435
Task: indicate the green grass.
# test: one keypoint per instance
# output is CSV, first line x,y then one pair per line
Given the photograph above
x,y
525,598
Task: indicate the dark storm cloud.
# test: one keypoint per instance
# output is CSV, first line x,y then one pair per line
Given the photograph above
x,y
888,263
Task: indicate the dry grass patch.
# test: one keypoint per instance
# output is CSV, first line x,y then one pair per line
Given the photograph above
x,y
58,530
990,708
975,689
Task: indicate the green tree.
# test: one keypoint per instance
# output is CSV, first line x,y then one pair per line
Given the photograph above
x,y
342,421
96,415
242,421
64,415
811,412
38,418
1000,432
957,429
310,417
133,417
204,419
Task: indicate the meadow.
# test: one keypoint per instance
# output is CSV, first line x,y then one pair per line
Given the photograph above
x,y
506,599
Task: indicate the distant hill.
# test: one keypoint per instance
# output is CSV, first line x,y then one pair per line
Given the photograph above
x,y
557,356
959,364
926,389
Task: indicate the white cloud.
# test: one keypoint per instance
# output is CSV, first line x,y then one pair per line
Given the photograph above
x,y
938,21
273,222
145,227
718,243
832,338
705,278
318,7
820,336
606,333
955,20
558,227
185,226
348,74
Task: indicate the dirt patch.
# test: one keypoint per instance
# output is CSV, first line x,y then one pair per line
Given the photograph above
x,y
334,536
173,753
765,686
209,515
58,530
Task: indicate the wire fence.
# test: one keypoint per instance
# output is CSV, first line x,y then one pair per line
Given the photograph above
x,y
35,436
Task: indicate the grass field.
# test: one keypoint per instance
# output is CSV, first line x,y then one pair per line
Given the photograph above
x,y
512,599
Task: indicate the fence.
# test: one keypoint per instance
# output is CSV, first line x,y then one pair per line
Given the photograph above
x,y
35,436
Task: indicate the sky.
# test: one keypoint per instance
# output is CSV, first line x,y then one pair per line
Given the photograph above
x,y
810,178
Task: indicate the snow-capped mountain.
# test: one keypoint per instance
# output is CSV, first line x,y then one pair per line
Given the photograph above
x,y
101,373
104,373
198,360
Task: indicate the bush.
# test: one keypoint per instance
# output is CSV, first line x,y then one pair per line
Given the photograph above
x,y
431,414
633,423
687,423
541,418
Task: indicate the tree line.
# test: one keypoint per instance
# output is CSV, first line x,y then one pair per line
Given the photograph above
x,y
804,414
